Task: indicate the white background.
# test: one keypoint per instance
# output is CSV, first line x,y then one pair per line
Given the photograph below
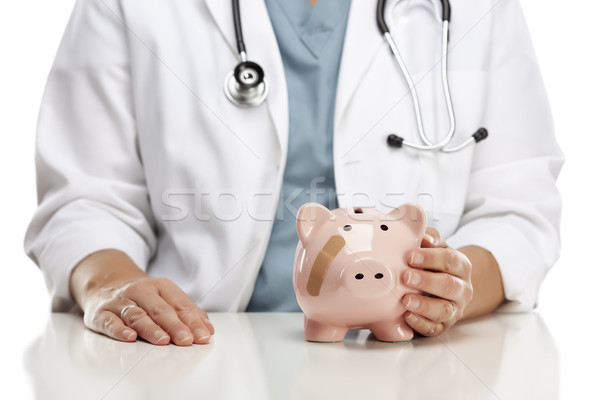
x,y
567,39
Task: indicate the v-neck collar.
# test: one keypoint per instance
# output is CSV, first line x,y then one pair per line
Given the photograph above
x,y
314,24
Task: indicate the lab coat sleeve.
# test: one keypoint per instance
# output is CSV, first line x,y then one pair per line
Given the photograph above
x,y
91,189
513,207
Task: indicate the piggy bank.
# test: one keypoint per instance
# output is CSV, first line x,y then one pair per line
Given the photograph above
x,y
348,267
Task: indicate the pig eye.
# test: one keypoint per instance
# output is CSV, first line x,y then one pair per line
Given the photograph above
x,y
378,275
359,276
384,227
347,227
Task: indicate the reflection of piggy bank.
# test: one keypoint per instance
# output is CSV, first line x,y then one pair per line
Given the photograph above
x,y
348,267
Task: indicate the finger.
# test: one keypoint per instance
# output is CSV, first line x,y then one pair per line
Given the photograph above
x,y
137,319
210,326
445,260
433,238
188,312
206,320
163,314
112,326
434,309
438,284
201,329
423,325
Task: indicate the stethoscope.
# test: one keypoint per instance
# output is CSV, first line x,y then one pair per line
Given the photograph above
x,y
246,85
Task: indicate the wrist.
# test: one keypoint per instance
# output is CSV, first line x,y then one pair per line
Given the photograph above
x,y
104,269
488,290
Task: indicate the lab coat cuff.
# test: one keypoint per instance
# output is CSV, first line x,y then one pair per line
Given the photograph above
x,y
79,240
521,267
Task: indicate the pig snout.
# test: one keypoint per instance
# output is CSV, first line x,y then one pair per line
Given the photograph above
x,y
368,278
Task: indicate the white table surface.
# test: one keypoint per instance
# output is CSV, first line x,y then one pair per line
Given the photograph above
x,y
264,356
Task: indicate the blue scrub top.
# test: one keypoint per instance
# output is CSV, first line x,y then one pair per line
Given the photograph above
x,y
310,40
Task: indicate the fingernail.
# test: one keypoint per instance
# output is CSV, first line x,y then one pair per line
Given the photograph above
x,y
160,336
429,238
417,259
128,334
211,328
183,336
411,302
412,318
414,278
201,334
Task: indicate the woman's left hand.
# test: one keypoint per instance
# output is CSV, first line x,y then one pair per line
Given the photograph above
x,y
445,274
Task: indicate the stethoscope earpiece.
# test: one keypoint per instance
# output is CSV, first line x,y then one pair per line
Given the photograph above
x,y
246,85
481,134
394,140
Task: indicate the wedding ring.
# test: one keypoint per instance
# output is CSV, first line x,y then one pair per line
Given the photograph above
x,y
453,309
126,308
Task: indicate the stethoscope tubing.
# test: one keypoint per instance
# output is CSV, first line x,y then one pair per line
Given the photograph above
x,y
247,87
429,145
237,24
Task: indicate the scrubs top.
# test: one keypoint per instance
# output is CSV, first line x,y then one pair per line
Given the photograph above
x,y
310,40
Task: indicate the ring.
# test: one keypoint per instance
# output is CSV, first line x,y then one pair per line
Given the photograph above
x,y
453,309
127,308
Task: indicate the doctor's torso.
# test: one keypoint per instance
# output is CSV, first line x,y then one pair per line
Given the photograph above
x,y
213,170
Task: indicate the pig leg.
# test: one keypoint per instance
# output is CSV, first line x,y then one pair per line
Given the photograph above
x,y
317,332
396,330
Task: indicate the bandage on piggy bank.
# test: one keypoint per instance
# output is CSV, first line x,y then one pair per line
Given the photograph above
x,y
348,268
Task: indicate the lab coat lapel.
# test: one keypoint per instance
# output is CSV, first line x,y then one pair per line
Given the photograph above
x,y
361,44
222,14
262,48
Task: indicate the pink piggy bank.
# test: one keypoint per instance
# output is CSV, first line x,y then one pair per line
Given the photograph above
x,y
348,267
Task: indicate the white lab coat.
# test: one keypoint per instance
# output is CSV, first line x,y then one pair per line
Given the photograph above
x,y
138,149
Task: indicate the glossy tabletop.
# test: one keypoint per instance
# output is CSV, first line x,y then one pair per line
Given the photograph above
x,y
264,356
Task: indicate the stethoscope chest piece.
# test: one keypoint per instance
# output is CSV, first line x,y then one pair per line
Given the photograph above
x,y
246,85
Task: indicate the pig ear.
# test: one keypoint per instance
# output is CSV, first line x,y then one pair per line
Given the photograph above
x,y
309,215
413,216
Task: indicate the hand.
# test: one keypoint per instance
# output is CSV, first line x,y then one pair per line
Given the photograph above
x,y
162,313
443,274
107,281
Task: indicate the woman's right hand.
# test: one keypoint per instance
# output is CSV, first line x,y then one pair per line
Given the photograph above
x,y
107,281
